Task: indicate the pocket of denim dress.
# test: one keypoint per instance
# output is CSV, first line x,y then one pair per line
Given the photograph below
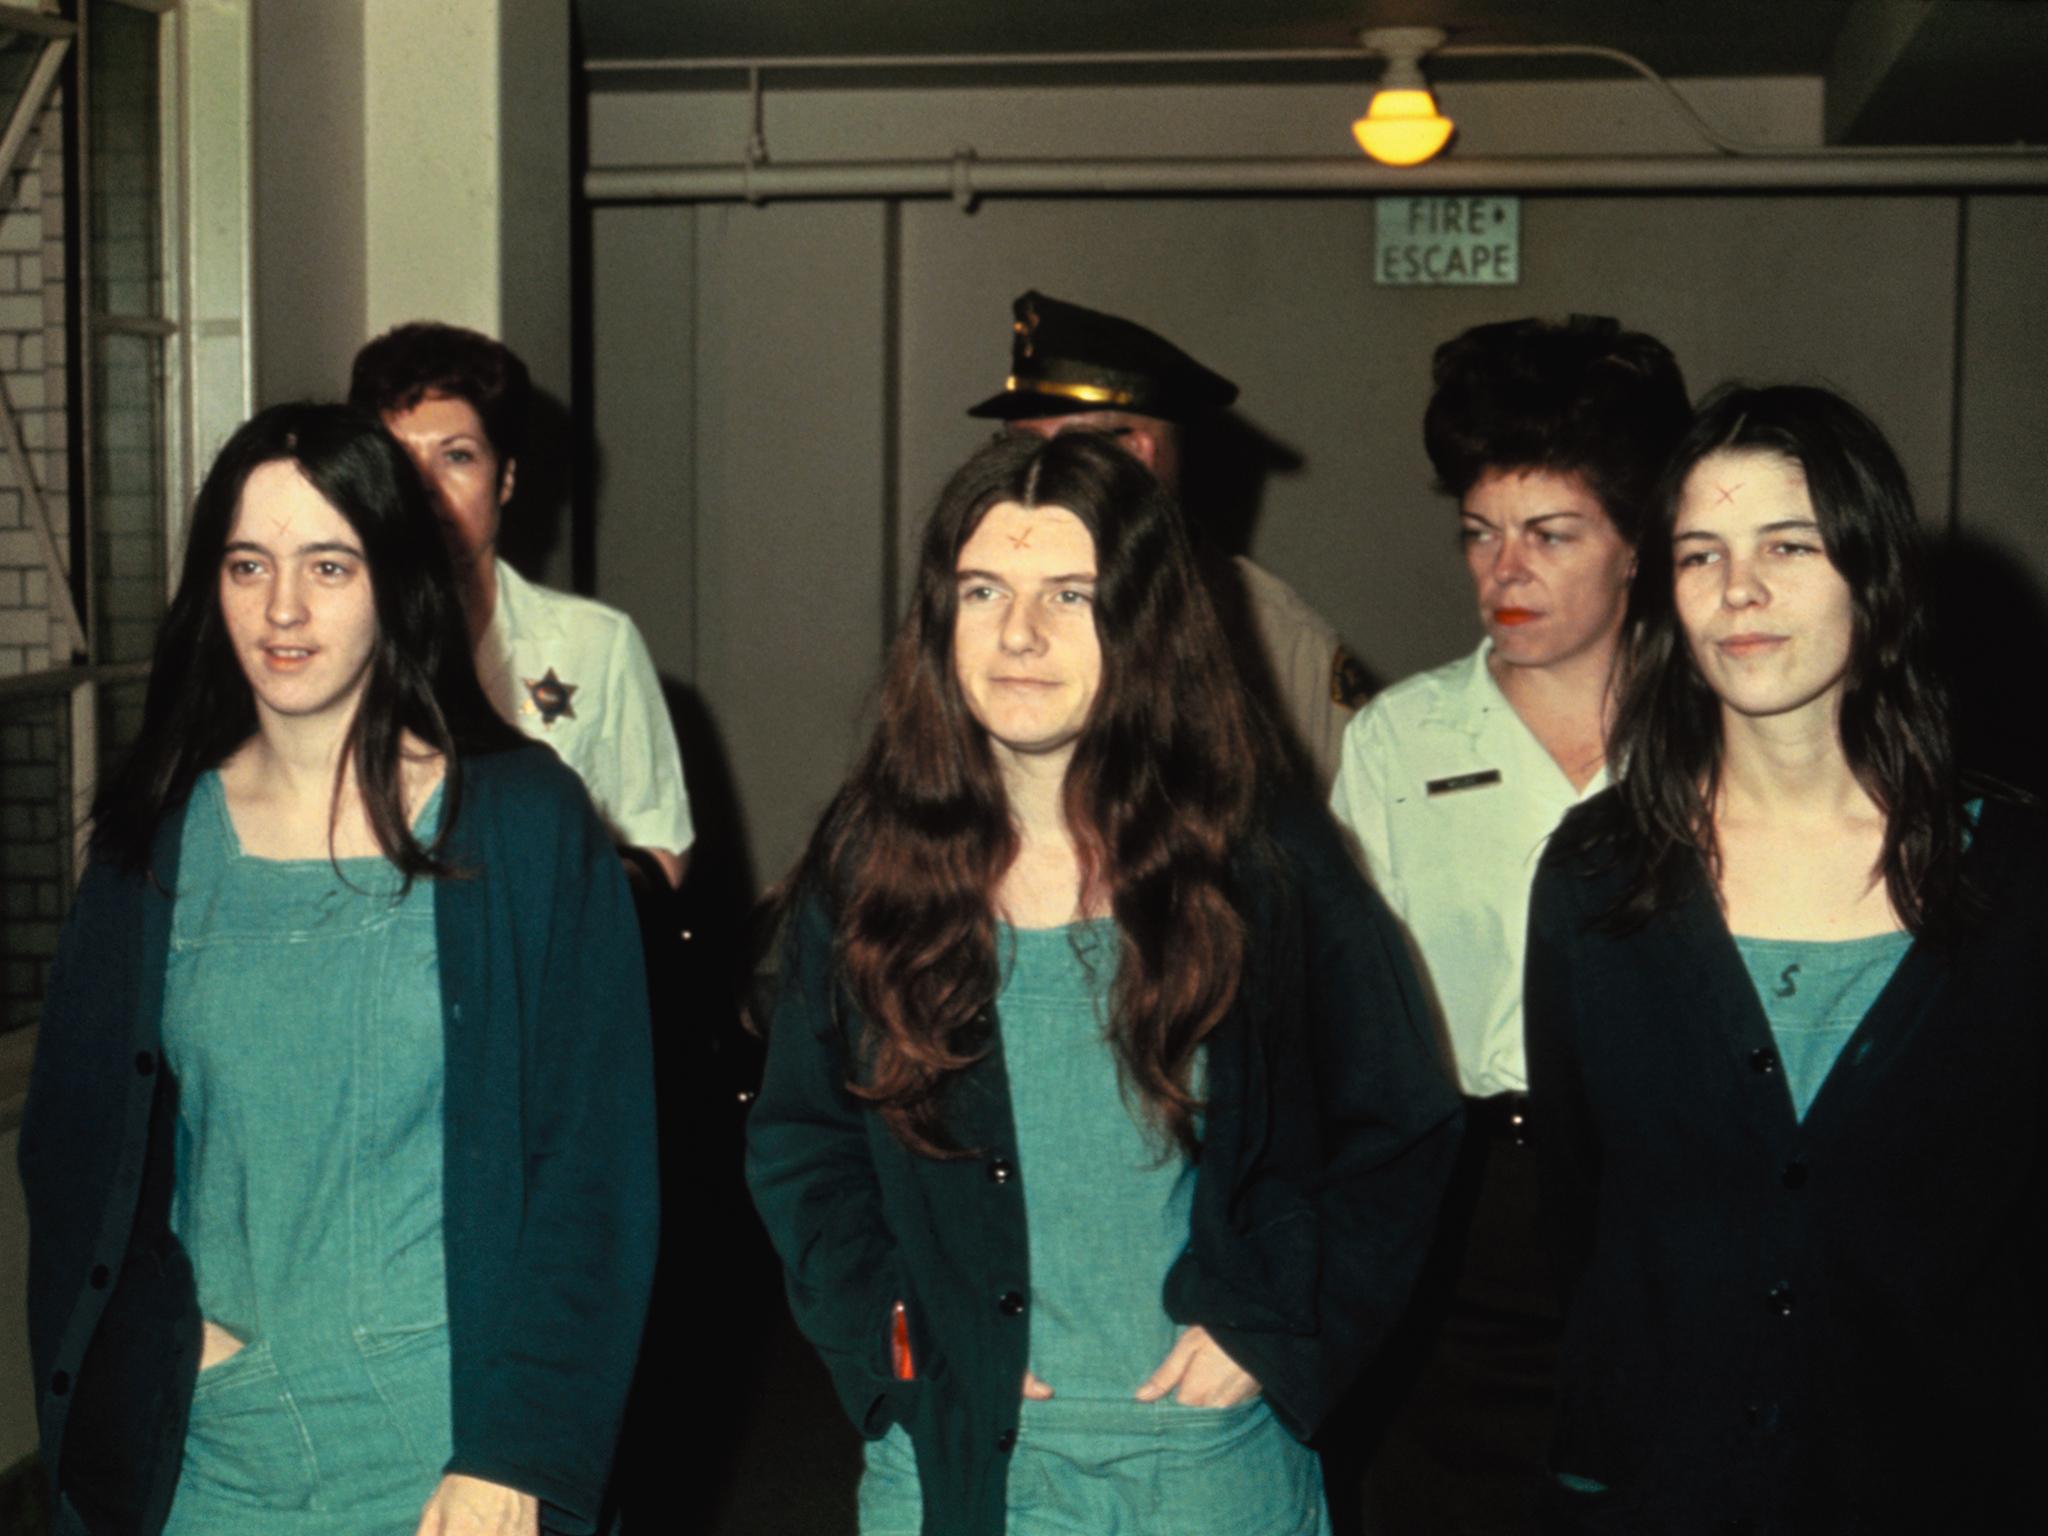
x,y
1236,1471
246,1442
410,1370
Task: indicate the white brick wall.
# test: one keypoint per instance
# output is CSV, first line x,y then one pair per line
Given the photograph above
x,y
31,247
34,760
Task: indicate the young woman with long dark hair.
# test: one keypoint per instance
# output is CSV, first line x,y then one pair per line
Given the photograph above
x,y
338,1147
1784,1014
1099,1134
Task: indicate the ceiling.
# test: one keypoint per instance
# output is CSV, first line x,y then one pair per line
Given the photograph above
x,y
1898,71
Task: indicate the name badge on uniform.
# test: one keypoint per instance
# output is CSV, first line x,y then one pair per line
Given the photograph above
x,y
1460,781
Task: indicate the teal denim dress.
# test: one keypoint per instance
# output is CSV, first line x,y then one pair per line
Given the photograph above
x,y
302,1016
1106,1212
1815,993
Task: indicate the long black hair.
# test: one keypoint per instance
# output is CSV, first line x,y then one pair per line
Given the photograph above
x,y
1159,794
421,677
1894,717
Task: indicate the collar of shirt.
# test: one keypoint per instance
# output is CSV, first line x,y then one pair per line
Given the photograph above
x,y
516,610
1470,702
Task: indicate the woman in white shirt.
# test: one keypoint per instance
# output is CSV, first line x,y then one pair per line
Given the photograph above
x,y
1551,437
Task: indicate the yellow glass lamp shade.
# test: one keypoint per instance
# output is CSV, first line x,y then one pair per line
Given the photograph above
x,y
1402,127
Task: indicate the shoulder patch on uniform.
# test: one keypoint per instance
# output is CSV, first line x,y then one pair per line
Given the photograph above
x,y
1350,685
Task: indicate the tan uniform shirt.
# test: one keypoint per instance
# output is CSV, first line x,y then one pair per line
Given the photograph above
x,y
1312,676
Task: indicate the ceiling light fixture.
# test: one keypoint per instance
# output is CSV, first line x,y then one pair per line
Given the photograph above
x,y
1402,125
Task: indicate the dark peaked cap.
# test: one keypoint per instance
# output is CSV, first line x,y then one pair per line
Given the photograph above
x,y
1065,360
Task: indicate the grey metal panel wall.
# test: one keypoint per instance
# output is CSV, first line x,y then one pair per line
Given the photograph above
x,y
2002,441
791,416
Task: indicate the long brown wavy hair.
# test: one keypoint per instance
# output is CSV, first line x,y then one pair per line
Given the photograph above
x,y
1159,794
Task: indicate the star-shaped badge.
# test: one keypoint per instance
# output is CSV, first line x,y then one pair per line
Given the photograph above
x,y
549,697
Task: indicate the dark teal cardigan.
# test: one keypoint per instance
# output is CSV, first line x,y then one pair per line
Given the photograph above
x,y
1328,1138
1829,1326
549,1210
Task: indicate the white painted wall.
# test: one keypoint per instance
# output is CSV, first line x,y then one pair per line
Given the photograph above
x,y
412,162
431,186
311,283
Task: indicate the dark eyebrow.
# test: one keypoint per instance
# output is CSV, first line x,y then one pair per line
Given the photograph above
x,y
320,547
1070,578
1783,525
1541,517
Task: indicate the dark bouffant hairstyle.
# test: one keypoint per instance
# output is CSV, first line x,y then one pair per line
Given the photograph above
x,y
1584,398
1894,713
406,364
199,706
1158,795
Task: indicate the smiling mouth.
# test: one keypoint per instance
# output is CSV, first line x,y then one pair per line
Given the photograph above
x,y
289,655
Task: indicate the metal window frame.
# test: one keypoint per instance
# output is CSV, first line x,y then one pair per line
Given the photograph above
x,y
89,325
36,23
45,75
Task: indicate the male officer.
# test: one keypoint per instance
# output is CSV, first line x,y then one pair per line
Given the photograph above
x,y
564,669
1079,369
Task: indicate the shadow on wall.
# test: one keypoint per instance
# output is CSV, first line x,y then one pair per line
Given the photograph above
x,y
542,491
721,878
1992,616
1224,469
717,1292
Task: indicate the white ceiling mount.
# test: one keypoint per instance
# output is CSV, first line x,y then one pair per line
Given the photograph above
x,y
1404,49
1410,40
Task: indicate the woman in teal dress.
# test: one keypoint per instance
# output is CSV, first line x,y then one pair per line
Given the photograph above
x,y
1784,1003
1100,1133
355,1233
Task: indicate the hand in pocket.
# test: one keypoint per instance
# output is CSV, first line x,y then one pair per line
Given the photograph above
x,y
1200,1375
216,1344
